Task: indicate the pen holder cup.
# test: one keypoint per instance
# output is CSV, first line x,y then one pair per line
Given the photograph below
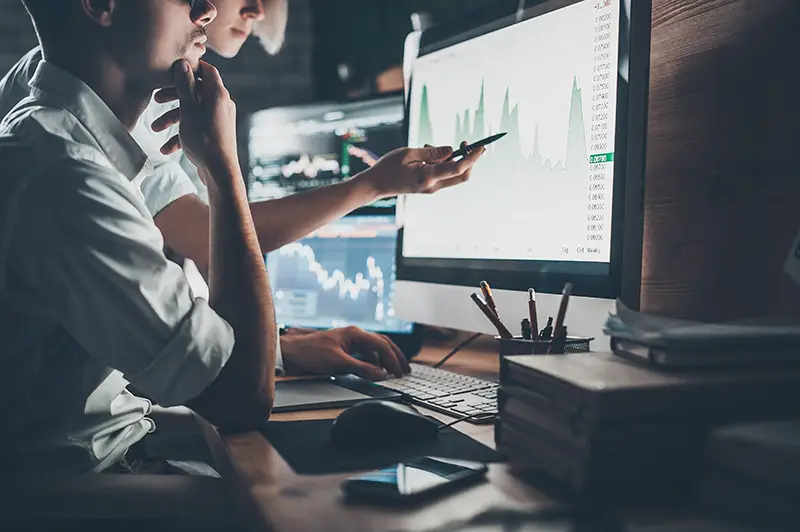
x,y
520,346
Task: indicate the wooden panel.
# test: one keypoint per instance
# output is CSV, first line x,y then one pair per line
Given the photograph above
x,y
721,187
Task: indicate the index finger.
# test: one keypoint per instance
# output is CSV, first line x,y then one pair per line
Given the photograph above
x,y
184,82
383,349
210,76
449,169
165,95
399,354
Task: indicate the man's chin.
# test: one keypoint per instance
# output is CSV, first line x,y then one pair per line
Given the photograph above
x,y
194,55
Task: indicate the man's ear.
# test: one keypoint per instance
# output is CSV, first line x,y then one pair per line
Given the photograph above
x,y
99,11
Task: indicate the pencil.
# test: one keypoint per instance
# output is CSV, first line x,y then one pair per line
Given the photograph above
x,y
502,330
487,295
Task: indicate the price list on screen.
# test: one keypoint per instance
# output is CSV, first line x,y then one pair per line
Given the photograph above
x,y
605,49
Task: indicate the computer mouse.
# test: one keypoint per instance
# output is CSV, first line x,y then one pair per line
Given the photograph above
x,y
382,424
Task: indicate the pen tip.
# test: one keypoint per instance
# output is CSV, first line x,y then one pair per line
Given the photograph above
x,y
531,294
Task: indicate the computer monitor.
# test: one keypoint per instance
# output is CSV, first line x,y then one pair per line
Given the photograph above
x,y
560,197
342,274
292,149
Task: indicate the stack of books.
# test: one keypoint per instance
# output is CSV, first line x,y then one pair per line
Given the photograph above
x,y
602,425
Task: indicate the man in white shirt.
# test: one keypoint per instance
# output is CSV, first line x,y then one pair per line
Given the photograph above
x,y
178,200
89,301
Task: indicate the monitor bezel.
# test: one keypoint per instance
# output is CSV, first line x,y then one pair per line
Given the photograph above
x,y
621,277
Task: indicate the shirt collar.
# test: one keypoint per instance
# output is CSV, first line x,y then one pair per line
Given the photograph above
x,y
70,93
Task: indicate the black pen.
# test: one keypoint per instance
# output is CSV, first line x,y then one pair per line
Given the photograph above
x,y
463,152
562,308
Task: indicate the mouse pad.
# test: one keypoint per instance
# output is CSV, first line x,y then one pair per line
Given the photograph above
x,y
307,447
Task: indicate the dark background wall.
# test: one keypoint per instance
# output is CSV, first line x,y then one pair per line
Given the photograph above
x,y
368,34
16,33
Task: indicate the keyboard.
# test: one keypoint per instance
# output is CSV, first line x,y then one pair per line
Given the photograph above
x,y
447,392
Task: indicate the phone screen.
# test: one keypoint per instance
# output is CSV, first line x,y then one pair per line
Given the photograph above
x,y
413,477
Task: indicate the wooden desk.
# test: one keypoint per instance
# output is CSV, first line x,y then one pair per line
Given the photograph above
x,y
280,499
274,497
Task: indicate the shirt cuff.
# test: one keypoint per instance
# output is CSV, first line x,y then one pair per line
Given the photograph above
x,y
191,361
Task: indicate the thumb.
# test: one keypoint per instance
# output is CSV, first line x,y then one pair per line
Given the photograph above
x,y
184,82
365,370
431,154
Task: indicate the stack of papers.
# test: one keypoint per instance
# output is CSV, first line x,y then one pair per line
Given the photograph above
x,y
669,341
669,332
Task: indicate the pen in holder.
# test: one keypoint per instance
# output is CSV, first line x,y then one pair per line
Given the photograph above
x,y
520,346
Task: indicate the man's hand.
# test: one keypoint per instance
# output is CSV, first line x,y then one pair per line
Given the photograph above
x,y
418,171
207,117
328,353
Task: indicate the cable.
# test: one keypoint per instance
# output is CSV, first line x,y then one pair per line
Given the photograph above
x,y
465,418
456,349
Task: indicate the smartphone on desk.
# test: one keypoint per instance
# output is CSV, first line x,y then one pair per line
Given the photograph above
x,y
413,480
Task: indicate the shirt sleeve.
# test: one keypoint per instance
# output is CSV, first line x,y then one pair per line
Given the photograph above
x,y
167,183
194,177
199,288
90,256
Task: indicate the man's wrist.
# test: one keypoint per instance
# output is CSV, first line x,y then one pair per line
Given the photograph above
x,y
366,188
221,176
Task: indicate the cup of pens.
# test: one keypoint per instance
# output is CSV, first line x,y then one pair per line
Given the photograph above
x,y
551,339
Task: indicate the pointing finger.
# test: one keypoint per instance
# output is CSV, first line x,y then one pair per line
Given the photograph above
x,y
450,169
429,154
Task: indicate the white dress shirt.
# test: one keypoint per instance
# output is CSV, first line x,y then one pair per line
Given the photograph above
x,y
173,176
88,300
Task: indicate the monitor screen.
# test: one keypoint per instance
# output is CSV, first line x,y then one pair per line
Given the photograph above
x,y
558,199
293,149
545,192
342,274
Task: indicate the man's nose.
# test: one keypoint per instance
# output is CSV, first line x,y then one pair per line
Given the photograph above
x,y
204,13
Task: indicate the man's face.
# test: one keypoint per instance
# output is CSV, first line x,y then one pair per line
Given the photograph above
x,y
235,21
159,32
